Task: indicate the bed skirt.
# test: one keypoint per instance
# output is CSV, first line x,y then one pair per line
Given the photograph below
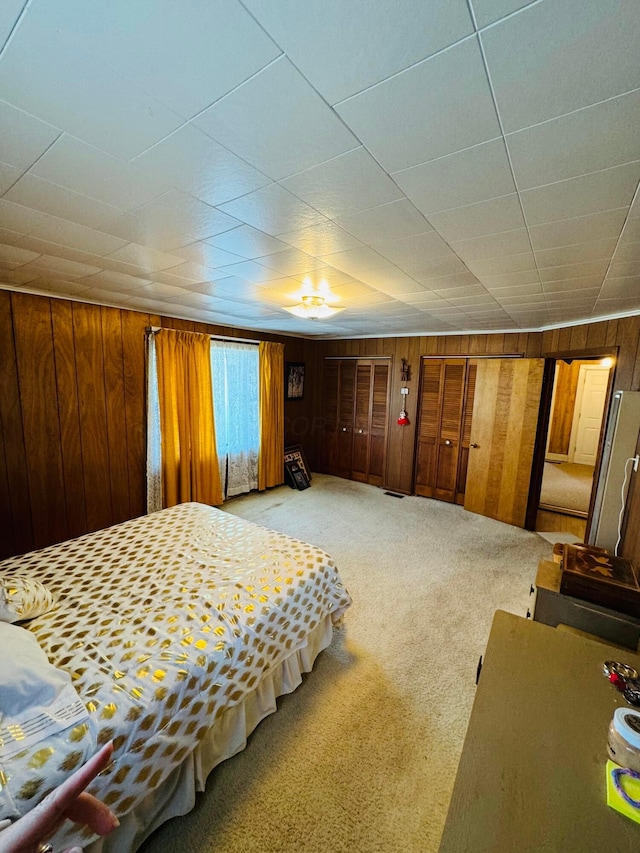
x,y
177,794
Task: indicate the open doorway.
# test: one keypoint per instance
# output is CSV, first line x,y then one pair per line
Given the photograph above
x,y
580,393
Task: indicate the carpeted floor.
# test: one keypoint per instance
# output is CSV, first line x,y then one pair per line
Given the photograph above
x,y
566,485
362,757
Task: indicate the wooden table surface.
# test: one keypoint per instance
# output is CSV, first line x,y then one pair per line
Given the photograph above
x,y
532,772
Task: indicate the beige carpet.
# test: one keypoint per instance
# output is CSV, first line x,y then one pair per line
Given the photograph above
x,y
362,757
566,485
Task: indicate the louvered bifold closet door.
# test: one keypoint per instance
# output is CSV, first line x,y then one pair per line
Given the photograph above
x,y
379,420
346,405
453,388
361,422
428,427
465,436
330,410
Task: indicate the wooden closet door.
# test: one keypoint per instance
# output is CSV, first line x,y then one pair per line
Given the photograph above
x,y
346,406
452,400
361,421
378,423
465,437
441,406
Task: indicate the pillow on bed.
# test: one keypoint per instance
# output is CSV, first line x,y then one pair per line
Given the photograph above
x,y
23,598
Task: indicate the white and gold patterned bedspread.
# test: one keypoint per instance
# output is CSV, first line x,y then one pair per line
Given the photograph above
x,y
163,622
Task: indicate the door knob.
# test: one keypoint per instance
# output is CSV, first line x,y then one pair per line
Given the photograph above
x,y
473,445
448,442
360,431
344,429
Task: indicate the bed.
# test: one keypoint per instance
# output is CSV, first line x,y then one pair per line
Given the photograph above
x,y
178,631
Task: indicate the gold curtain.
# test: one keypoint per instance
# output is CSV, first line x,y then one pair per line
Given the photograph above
x,y
271,457
190,470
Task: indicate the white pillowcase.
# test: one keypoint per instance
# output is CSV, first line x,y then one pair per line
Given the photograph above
x,y
23,598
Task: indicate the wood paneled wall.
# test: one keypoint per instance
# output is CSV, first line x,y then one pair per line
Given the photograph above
x,y
72,415
72,406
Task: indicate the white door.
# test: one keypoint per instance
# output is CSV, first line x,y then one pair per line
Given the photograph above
x,y
592,393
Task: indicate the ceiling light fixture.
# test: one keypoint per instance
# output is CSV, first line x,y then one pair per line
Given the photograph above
x,y
314,302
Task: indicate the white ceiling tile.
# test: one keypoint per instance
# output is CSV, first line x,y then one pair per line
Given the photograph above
x,y
476,220
24,138
489,11
510,279
46,71
277,122
190,283
8,176
448,94
598,191
355,261
106,296
272,209
449,282
15,255
116,281
193,162
586,284
21,275
192,272
425,270
322,239
556,57
237,288
624,268
81,167
37,193
207,255
386,222
596,250
146,258
588,140
248,242
291,262
621,287
516,290
58,285
627,252
322,37
499,266
56,230
62,266
494,246
251,271
594,269
631,231
344,185
173,220
581,229
468,176
614,306
186,60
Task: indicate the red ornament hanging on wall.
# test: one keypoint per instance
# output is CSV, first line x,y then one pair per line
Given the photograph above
x,y
403,420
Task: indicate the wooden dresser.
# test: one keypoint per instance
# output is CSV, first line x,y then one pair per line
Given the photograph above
x,y
532,772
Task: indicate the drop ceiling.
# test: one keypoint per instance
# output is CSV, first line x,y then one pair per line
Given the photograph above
x,y
446,166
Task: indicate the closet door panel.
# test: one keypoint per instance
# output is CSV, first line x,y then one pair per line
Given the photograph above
x,y
465,436
361,419
428,427
452,399
379,419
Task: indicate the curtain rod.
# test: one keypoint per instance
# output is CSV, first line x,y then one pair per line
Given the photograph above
x,y
153,330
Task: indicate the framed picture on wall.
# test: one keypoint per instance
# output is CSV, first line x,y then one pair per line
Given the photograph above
x,y
294,380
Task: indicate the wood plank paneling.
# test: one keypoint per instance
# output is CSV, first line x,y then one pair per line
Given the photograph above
x,y
87,328
13,435
69,414
7,542
113,355
39,402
